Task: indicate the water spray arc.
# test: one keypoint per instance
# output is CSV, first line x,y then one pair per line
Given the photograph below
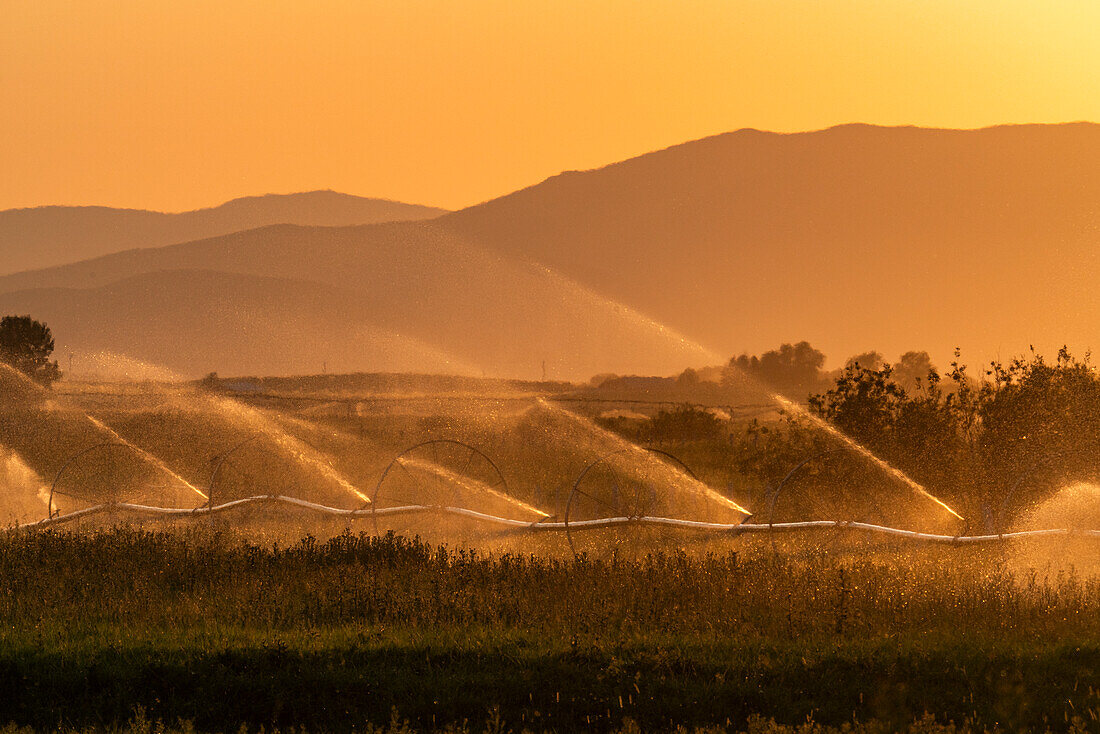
x,y
689,347
863,451
146,455
435,474
783,402
22,489
296,449
602,494
685,343
471,485
689,482
114,435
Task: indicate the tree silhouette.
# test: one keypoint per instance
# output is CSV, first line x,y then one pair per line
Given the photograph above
x,y
868,360
793,369
990,449
26,345
912,370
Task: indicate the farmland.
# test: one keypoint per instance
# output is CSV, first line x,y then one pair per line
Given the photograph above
x,y
219,632
270,614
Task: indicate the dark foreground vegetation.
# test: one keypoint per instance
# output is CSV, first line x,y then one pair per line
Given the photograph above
x,y
99,628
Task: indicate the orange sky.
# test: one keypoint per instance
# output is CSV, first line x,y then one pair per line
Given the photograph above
x,y
176,105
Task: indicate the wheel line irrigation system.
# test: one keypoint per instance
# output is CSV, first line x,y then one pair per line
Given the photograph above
x,y
506,525
512,525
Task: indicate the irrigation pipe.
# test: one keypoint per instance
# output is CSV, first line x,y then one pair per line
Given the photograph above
x,y
122,508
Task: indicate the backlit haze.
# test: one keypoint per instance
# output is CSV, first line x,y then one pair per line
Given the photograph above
x,y
175,106
586,365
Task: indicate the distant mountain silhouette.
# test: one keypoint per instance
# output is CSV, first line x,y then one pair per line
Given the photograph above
x,y
196,321
54,235
856,237
286,299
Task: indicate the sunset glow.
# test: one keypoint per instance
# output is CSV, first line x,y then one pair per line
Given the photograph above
x,y
636,366
173,106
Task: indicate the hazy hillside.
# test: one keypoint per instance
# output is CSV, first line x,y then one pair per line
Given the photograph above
x,y
286,299
53,235
855,238
192,321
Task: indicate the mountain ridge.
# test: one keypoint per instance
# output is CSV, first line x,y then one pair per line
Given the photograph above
x,y
855,237
491,314
746,131
33,238
796,224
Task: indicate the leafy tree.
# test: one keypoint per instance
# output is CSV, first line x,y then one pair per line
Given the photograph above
x,y
912,369
26,345
870,360
211,382
688,378
864,403
794,369
1040,426
928,433
990,449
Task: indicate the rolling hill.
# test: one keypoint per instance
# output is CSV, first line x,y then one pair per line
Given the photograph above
x,y
855,237
54,235
376,298
244,325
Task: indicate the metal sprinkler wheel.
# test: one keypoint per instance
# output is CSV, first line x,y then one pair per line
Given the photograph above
x,y
821,508
773,496
421,482
618,503
258,465
101,474
222,461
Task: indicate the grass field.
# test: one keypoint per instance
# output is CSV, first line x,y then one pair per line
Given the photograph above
x,y
205,624
204,630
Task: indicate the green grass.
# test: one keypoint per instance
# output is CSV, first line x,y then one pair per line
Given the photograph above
x,y
336,636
